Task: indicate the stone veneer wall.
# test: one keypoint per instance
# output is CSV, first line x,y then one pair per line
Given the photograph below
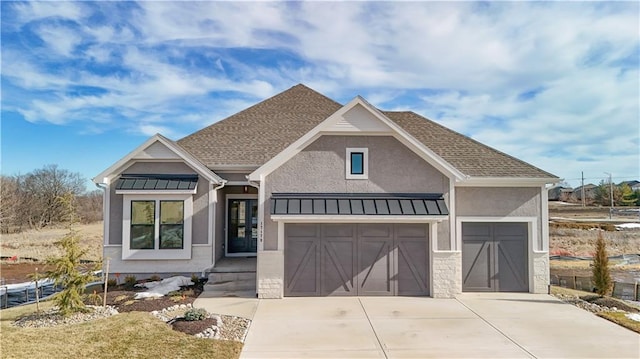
x,y
541,272
271,274
447,274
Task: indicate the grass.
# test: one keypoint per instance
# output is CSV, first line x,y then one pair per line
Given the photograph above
x,y
126,335
622,320
616,317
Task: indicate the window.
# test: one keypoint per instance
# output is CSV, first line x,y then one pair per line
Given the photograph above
x,y
357,163
171,224
157,226
143,218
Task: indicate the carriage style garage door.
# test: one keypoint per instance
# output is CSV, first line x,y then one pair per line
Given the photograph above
x,y
356,259
494,257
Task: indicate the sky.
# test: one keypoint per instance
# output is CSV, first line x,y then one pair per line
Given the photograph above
x,y
556,84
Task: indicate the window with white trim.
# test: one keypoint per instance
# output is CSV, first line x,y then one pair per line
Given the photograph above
x,y
357,163
157,226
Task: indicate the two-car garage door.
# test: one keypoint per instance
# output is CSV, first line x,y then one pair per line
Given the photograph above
x,y
356,259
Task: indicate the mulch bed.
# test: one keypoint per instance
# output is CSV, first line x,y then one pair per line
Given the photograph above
x,y
193,327
122,298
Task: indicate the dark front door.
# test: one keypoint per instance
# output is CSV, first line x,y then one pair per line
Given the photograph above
x,y
242,232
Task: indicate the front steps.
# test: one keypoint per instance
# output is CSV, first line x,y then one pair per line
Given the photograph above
x,y
232,277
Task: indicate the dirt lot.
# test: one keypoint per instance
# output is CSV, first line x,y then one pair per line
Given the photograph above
x,y
40,244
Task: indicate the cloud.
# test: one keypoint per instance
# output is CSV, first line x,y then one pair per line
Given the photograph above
x,y
538,80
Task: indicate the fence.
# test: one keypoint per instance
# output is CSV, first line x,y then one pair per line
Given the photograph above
x,y
621,290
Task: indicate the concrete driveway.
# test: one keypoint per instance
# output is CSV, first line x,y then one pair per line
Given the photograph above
x,y
502,325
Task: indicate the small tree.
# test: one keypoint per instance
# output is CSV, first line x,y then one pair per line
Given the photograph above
x,y
66,272
601,275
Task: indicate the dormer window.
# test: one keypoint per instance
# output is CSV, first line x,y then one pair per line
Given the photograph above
x,y
357,166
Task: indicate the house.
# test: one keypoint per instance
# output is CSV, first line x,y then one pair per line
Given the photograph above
x,y
589,192
330,199
559,193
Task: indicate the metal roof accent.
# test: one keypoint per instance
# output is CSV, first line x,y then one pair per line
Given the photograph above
x,y
156,182
408,204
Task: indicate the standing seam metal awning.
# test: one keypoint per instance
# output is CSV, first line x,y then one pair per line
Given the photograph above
x,y
358,204
156,182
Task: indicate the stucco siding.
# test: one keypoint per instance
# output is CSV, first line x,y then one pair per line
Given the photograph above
x,y
200,260
501,202
320,167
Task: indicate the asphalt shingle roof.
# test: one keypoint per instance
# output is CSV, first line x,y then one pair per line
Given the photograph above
x,y
255,135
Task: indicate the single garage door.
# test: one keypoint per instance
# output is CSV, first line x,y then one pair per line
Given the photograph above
x,y
356,259
494,257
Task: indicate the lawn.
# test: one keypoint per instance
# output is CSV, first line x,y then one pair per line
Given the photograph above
x,y
616,317
126,335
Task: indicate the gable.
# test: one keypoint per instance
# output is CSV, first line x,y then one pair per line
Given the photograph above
x,y
358,119
157,149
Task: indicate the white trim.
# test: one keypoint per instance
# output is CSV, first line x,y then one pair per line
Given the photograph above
x,y
544,219
156,253
200,245
191,161
365,163
357,219
112,245
106,206
281,236
431,245
262,200
157,192
226,225
532,224
404,137
211,236
452,213
235,168
505,182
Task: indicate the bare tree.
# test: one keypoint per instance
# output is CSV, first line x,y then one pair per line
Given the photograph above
x,y
42,188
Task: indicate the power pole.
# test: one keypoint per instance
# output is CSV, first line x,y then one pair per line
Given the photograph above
x,y
582,189
610,194
611,188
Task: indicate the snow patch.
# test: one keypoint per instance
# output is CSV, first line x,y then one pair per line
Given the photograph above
x,y
161,288
628,226
633,316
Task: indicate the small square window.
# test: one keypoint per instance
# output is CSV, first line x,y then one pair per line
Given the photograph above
x,y
357,163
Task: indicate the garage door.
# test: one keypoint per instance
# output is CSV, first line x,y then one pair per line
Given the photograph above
x,y
494,257
356,259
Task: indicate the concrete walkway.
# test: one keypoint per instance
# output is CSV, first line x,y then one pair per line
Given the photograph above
x,y
501,325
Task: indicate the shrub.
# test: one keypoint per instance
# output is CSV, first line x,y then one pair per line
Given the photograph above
x,y
66,272
195,314
194,278
112,283
601,276
130,280
155,278
94,298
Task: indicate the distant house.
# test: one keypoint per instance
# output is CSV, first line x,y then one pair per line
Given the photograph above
x,y
322,199
634,185
589,192
560,193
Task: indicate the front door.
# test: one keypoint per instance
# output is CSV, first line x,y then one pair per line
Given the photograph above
x,y
242,229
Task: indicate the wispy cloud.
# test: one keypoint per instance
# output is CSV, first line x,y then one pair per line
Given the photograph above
x,y
536,79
